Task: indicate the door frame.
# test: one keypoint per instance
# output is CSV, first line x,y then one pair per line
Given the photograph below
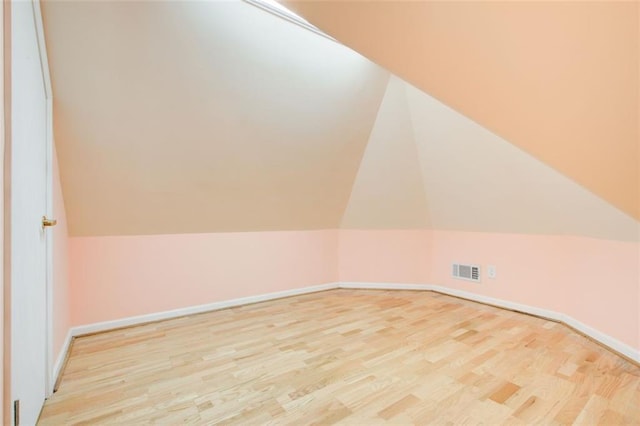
x,y
5,10
44,64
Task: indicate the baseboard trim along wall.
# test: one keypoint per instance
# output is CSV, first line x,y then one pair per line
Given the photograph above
x,y
613,344
60,362
191,310
604,339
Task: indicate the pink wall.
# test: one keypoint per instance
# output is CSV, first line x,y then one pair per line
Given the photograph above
x,y
594,281
61,307
396,256
122,276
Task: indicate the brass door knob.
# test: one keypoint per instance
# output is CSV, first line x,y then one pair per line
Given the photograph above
x,y
48,222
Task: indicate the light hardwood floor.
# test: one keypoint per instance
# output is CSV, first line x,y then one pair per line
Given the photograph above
x,y
350,357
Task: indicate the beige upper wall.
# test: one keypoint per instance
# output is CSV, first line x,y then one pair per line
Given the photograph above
x,y
176,117
558,79
388,192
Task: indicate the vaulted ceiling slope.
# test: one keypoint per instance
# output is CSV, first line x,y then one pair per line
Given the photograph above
x,y
176,117
560,80
428,166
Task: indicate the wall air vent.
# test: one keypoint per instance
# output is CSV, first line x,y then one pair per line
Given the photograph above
x,y
466,272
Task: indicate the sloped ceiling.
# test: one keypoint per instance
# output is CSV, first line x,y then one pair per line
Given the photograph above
x,y
175,117
477,181
428,166
558,79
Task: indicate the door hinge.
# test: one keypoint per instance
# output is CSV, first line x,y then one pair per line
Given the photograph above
x,y
16,412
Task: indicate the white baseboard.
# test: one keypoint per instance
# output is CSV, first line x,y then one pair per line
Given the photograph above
x,y
62,356
499,302
597,335
190,310
603,338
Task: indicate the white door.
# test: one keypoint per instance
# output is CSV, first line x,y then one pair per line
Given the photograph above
x,y
29,170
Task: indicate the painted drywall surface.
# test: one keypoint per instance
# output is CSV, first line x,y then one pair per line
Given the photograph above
x,y
477,181
61,291
122,276
388,192
592,280
197,117
558,79
392,256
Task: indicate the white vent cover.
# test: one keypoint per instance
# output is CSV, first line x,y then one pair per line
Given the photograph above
x,y
466,272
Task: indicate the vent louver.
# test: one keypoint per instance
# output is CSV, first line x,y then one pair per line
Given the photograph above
x,y
466,272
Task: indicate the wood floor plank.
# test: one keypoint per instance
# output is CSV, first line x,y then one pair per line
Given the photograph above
x,y
346,357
